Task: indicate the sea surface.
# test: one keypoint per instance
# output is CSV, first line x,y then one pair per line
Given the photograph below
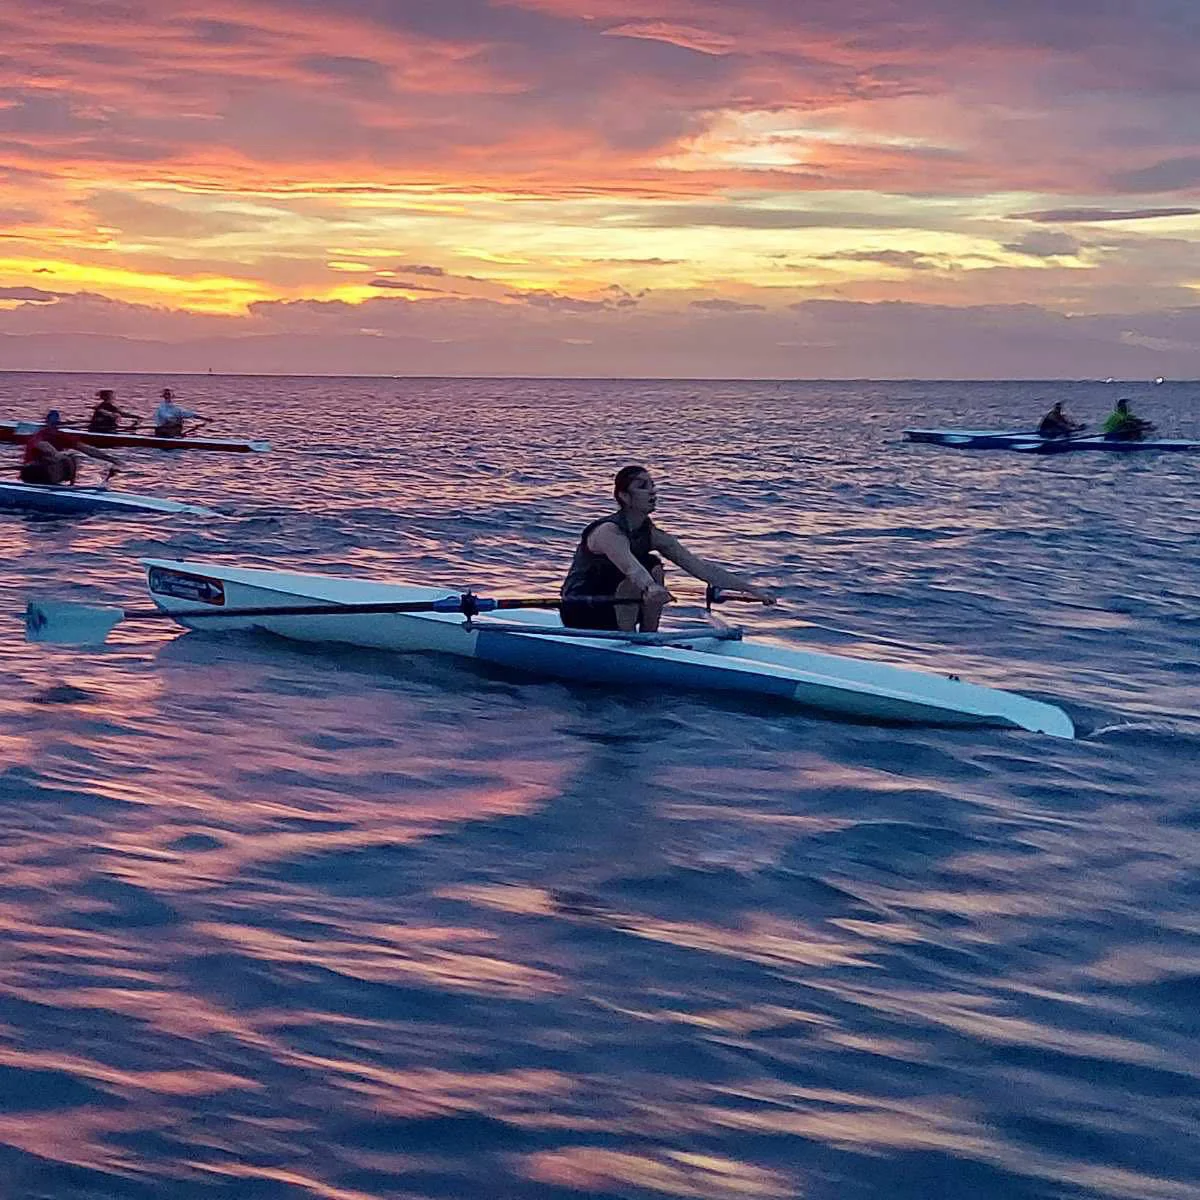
x,y
284,922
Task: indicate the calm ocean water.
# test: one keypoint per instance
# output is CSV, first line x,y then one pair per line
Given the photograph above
x,y
282,922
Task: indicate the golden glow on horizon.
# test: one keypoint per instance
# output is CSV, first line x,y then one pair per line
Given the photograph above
x,y
706,168
202,294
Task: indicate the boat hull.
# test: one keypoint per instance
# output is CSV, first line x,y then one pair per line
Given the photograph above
x,y
1030,443
21,430
830,683
28,497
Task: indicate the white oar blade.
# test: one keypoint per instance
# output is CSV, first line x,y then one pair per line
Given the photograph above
x,y
68,623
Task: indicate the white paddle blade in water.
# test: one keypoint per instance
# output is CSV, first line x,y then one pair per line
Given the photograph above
x,y
70,624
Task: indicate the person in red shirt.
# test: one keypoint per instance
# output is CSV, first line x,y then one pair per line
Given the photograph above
x,y
51,456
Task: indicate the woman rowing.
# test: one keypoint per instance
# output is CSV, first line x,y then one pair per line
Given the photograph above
x,y
617,580
106,414
1056,423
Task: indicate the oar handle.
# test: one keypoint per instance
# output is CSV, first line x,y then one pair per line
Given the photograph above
x,y
716,595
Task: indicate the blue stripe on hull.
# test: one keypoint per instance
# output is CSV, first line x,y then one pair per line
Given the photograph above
x,y
1114,444
67,500
606,664
969,439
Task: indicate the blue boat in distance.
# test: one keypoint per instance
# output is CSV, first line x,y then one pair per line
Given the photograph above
x,y
75,501
1032,443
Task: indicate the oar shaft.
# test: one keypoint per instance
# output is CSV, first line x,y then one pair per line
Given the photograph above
x,y
466,603
451,604
862,636
670,637
70,622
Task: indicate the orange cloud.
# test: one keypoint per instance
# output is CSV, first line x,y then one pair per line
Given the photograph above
x,y
221,153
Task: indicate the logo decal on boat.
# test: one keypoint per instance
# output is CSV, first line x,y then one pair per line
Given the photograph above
x,y
184,586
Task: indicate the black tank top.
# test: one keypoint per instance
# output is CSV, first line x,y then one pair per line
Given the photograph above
x,y
104,420
593,574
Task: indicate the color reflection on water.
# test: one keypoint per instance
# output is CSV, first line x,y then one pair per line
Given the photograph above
x,y
294,921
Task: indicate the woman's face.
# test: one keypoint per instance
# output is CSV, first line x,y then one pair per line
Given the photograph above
x,y
640,496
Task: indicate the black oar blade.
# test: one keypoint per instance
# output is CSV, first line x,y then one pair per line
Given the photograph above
x,y
68,623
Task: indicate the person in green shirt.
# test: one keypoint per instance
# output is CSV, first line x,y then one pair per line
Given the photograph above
x,y
1122,425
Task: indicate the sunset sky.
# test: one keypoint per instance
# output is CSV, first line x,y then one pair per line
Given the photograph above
x,y
703,188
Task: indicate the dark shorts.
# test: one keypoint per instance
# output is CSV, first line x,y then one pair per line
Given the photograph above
x,y
588,614
35,473
599,613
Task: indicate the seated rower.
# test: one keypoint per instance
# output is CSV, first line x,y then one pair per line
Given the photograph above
x,y
51,456
106,414
169,417
1056,424
617,559
1123,426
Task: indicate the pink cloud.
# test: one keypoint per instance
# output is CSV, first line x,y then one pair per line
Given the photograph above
x,y
816,339
543,95
174,140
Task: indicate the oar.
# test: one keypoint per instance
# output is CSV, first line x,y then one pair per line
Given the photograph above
x,y
714,595
720,595
71,622
1038,444
669,637
73,425
99,487
861,636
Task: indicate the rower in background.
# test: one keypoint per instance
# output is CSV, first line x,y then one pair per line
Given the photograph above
x,y
106,414
1057,424
169,417
616,560
52,456
1123,426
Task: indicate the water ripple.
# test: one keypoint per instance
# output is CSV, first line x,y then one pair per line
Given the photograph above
x,y
292,922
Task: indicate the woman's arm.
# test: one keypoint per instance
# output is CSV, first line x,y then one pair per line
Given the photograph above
x,y
92,452
709,572
608,540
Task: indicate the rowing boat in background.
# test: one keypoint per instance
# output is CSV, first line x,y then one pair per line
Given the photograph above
x,y
65,499
18,431
703,657
1031,443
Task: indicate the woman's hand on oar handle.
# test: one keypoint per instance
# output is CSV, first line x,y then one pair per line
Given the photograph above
x,y
657,593
761,595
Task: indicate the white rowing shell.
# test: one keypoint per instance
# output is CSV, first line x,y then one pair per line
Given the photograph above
x,y
827,682
66,499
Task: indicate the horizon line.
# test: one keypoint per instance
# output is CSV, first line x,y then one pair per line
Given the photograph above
x,y
1111,380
